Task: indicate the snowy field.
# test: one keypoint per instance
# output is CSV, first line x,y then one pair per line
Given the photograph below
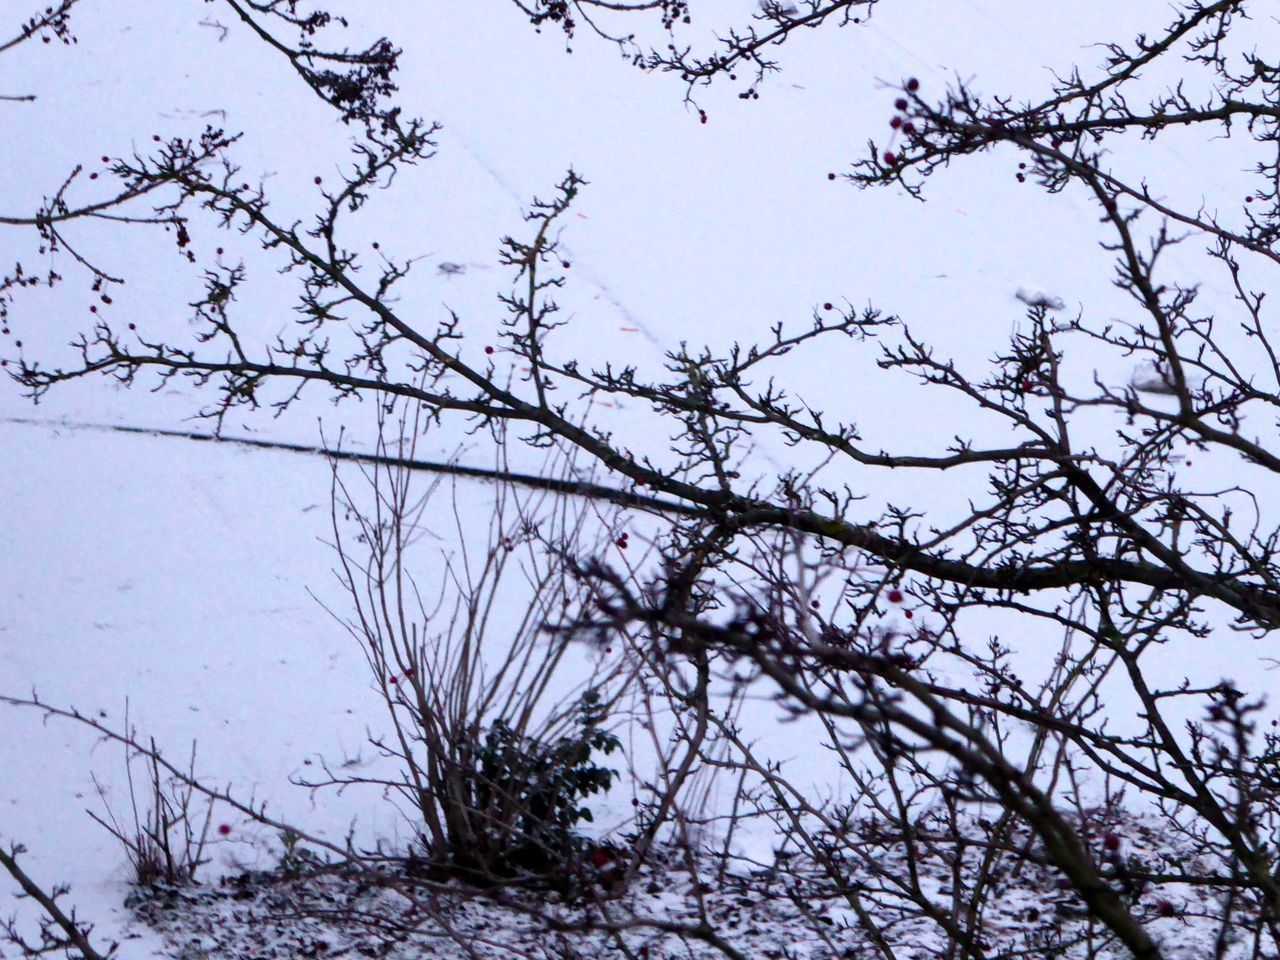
x,y
186,583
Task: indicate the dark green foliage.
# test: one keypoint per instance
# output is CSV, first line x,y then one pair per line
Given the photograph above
x,y
526,798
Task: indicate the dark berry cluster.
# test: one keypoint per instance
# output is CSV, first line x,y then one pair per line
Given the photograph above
x,y
902,123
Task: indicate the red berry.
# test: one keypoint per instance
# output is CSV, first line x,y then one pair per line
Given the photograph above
x,y
1111,842
566,264
826,306
156,137
890,157
392,681
908,614
133,326
895,596
106,159
831,176
93,176
317,179
896,122
488,350
1165,909
702,116
621,543
901,104
913,85
224,828
908,127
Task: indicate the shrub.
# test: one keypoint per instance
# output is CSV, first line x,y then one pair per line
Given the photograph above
x,y
525,798
164,835
496,769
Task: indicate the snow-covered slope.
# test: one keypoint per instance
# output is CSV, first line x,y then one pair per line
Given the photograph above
x,y
176,576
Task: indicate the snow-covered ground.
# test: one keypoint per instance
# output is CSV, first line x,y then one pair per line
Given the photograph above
x,y
181,579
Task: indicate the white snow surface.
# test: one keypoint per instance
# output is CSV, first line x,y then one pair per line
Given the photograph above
x,y
178,577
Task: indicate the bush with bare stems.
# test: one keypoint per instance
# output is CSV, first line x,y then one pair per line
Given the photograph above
x,y
497,747
163,834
